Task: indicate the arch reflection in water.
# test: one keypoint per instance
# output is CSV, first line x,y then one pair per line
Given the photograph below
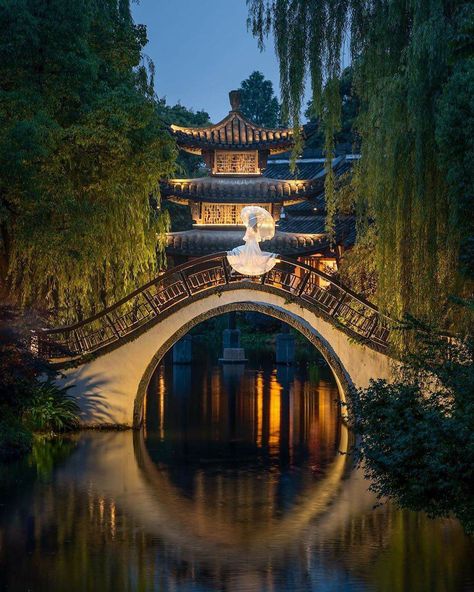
x,y
124,512
243,445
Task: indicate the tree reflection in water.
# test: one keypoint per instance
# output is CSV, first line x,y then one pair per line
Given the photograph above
x,y
236,484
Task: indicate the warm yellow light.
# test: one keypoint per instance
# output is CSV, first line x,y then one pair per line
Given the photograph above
x,y
161,402
275,411
259,388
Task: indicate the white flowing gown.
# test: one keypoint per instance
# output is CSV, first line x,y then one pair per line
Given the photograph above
x,y
249,259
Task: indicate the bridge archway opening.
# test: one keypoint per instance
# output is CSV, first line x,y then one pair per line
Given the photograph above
x,y
314,338
235,440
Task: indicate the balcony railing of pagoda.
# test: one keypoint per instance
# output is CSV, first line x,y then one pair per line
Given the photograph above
x,y
299,282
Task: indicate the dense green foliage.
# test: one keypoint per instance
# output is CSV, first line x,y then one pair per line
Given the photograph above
x,y
81,149
28,403
346,139
188,165
416,440
413,70
258,102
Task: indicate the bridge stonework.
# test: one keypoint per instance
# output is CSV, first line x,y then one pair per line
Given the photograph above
x,y
110,388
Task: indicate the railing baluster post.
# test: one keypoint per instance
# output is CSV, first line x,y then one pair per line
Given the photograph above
x,y
372,326
226,271
76,341
151,302
338,305
112,326
303,283
185,282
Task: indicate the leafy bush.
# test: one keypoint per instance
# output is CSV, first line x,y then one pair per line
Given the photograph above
x,y
51,409
27,402
415,435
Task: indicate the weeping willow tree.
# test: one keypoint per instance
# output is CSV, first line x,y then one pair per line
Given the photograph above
x,y
414,76
82,149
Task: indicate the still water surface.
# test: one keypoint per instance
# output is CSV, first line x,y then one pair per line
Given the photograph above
x,y
236,484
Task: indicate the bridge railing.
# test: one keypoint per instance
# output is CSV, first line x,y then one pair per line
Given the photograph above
x,y
300,282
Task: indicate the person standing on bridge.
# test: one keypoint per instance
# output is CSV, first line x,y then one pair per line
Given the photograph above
x,y
249,259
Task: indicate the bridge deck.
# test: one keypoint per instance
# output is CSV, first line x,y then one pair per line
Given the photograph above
x,y
304,284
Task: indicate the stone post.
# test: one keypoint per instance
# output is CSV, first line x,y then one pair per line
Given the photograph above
x,y
231,350
285,346
183,350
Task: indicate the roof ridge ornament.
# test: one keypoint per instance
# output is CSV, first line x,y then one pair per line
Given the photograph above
x,y
235,99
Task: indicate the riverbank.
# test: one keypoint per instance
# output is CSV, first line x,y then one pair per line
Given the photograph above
x,y
30,403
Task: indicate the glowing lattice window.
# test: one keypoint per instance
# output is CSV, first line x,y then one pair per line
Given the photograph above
x,y
326,265
223,213
236,163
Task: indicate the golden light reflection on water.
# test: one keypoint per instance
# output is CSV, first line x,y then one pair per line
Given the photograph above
x,y
98,525
236,485
259,387
274,413
243,446
161,402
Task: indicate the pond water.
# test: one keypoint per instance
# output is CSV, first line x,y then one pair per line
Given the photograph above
x,y
236,483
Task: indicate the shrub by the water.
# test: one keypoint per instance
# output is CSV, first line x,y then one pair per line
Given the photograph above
x,y
51,409
28,403
416,435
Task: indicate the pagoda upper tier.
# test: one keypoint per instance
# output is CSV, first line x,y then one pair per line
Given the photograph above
x,y
234,132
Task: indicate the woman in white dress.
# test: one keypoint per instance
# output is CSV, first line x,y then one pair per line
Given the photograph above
x,y
249,259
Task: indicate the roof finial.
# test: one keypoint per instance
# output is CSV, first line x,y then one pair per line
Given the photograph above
x,y
234,97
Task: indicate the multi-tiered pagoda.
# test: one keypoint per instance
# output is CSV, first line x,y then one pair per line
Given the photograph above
x,y
249,165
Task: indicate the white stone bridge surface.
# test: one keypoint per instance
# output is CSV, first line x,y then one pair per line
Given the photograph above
x,y
109,359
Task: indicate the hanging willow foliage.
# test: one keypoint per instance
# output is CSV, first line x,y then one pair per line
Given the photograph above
x,y
82,148
404,54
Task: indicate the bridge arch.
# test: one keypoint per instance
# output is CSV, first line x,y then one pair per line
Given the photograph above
x,y
343,379
111,387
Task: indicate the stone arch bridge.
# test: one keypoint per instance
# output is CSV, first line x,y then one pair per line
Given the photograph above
x,y
109,358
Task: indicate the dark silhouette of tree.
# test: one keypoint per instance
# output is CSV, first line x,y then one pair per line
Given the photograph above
x,y
258,101
188,165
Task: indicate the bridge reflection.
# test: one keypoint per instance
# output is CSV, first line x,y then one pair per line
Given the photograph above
x,y
235,483
262,414
250,455
112,519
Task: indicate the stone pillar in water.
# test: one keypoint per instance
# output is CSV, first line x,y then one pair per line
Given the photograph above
x,y
231,350
285,346
183,350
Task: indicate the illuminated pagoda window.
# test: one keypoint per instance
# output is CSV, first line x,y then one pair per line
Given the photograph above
x,y
236,163
239,169
216,213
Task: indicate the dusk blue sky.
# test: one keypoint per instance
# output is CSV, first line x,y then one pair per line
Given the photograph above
x,y
202,50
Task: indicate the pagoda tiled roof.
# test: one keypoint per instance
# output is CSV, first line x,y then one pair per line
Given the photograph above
x,y
316,224
278,184
242,189
295,236
234,132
